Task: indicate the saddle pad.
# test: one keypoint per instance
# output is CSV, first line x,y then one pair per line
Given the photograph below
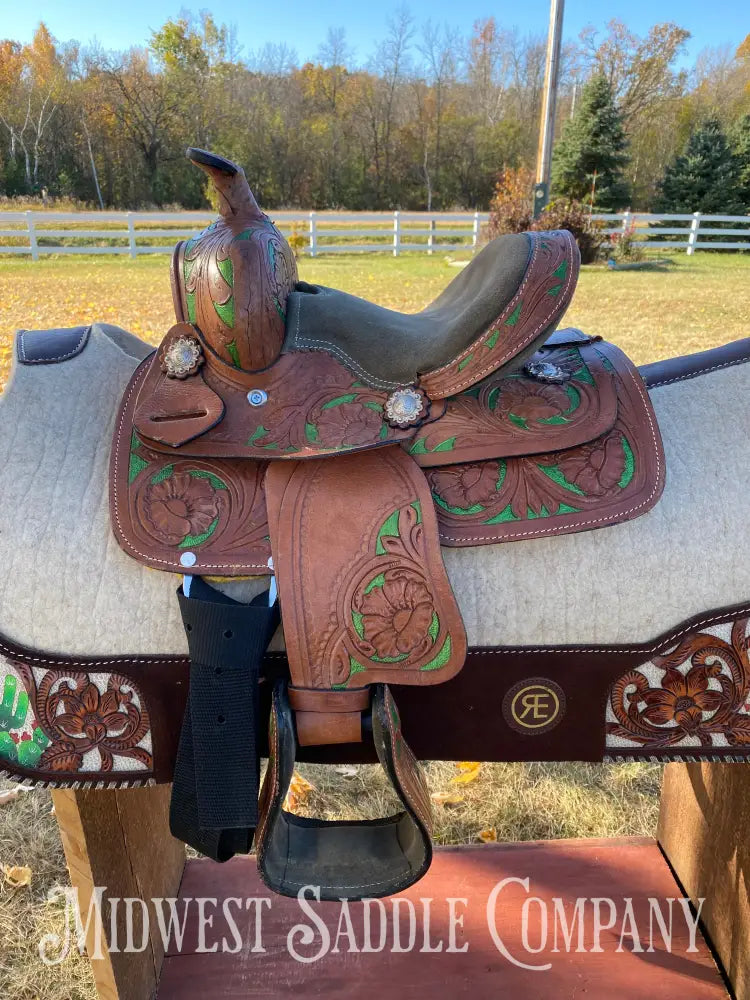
x,y
528,459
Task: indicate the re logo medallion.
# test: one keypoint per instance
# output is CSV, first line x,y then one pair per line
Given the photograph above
x,y
533,706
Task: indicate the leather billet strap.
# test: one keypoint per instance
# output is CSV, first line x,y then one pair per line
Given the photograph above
x,y
214,805
343,858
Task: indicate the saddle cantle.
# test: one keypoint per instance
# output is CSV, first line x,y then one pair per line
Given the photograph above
x,y
468,423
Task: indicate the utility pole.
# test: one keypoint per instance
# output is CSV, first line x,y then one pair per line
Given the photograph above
x,y
547,124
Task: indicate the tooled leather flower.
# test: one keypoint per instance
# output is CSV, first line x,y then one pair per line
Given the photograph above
x,y
348,424
181,505
91,714
533,401
396,617
682,698
596,468
466,485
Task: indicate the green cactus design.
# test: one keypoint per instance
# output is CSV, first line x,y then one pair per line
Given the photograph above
x,y
8,749
10,718
29,751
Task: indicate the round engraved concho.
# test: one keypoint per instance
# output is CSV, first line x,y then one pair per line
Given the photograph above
x,y
545,371
182,357
406,407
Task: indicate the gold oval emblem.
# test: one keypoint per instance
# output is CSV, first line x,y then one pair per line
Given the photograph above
x,y
534,705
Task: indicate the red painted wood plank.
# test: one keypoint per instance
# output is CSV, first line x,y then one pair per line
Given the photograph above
x,y
482,941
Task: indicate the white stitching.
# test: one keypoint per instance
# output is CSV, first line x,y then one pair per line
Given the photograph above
x,y
515,348
122,538
554,530
63,661
51,359
698,372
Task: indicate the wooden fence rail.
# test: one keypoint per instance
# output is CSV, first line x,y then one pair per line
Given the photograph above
x,y
135,233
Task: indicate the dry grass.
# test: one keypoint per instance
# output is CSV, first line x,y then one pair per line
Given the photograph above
x,y
700,304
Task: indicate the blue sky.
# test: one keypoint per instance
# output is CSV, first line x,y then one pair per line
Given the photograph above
x,y
303,25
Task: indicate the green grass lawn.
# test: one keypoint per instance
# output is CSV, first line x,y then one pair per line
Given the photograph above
x,y
700,302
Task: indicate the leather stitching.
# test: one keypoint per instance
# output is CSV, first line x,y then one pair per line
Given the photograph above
x,y
50,359
698,372
623,515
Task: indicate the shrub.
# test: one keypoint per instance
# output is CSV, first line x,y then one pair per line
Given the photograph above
x,y
511,205
565,213
626,246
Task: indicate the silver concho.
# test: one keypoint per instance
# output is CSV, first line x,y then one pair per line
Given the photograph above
x,y
545,371
183,357
405,407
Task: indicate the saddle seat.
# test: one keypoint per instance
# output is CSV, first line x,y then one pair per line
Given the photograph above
x,y
390,348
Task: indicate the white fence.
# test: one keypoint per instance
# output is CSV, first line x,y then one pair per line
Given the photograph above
x,y
136,233
690,229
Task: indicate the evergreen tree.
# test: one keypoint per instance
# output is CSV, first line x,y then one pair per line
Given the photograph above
x,y
593,147
705,178
741,149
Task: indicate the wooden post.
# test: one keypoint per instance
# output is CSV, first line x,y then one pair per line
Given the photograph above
x,y
703,830
396,234
131,236
32,236
313,234
475,232
693,237
120,839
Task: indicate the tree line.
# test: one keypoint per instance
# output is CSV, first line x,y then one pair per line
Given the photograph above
x,y
427,121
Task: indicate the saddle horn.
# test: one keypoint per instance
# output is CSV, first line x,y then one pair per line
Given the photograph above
x,y
235,197
231,281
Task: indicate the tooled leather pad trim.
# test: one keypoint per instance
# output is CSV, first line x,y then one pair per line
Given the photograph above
x,y
49,347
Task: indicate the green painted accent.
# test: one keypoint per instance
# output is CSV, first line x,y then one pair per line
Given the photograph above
x,y
272,446
434,630
514,316
472,391
191,541
442,657
163,474
554,291
390,659
311,433
226,269
607,363
501,474
388,527
218,484
225,312
492,397
565,508
554,473
383,432
377,581
629,463
418,508
29,751
357,622
574,396
279,309
556,420
136,466
7,748
259,432
355,667
561,270
190,299
477,508
12,718
518,421
349,398
233,353
492,339
377,407
506,514
420,448
465,362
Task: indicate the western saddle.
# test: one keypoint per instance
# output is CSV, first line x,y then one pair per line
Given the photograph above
x,y
468,423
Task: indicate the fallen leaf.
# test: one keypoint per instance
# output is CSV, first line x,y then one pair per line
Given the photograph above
x,y
447,798
299,789
347,770
17,875
470,771
488,836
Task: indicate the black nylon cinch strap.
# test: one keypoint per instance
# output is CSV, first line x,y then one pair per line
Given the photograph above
x,y
214,805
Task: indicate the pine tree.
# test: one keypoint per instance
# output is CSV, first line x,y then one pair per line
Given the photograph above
x,y
705,178
593,148
741,149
